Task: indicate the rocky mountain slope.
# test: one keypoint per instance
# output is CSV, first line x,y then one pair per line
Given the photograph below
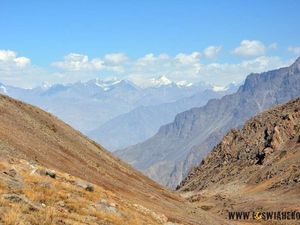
x,y
28,134
256,167
169,154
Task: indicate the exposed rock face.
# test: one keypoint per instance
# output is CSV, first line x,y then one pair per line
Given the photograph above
x,y
168,156
266,150
253,169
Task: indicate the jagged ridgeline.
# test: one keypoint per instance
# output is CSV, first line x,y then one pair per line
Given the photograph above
x,y
254,168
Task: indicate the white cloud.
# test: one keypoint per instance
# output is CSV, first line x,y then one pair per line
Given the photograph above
x,y
115,62
18,71
180,67
221,74
75,62
115,58
79,62
7,55
250,48
22,61
188,58
9,61
294,49
183,66
212,51
187,67
151,58
15,70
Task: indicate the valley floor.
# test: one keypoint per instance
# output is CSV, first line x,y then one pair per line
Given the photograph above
x,y
221,202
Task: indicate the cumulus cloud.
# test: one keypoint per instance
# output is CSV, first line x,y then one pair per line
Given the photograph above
x,y
294,49
212,51
186,67
115,62
75,62
79,62
250,48
188,58
222,73
150,59
115,58
9,61
17,70
182,66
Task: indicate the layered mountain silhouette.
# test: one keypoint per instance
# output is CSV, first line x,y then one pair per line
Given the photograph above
x,y
177,147
34,144
95,107
144,121
256,167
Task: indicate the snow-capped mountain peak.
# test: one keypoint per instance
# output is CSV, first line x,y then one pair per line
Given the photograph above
x,y
183,83
160,81
3,89
105,85
217,88
109,84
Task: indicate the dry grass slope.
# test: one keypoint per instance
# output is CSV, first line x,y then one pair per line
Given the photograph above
x,y
29,133
30,197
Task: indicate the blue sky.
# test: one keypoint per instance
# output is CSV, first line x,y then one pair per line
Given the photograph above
x,y
47,31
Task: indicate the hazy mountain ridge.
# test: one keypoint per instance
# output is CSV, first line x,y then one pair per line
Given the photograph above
x,y
89,105
168,155
144,121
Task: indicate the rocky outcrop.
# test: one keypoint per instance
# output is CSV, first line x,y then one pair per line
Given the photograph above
x,y
265,152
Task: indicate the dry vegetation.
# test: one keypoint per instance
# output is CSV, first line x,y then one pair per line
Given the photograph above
x,y
29,197
35,136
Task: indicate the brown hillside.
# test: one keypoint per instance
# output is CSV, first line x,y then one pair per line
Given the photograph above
x,y
29,133
257,167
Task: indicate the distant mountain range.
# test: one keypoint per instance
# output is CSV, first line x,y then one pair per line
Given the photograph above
x,y
103,108
177,147
144,121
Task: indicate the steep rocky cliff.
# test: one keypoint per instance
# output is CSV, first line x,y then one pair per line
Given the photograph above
x,y
266,148
254,168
